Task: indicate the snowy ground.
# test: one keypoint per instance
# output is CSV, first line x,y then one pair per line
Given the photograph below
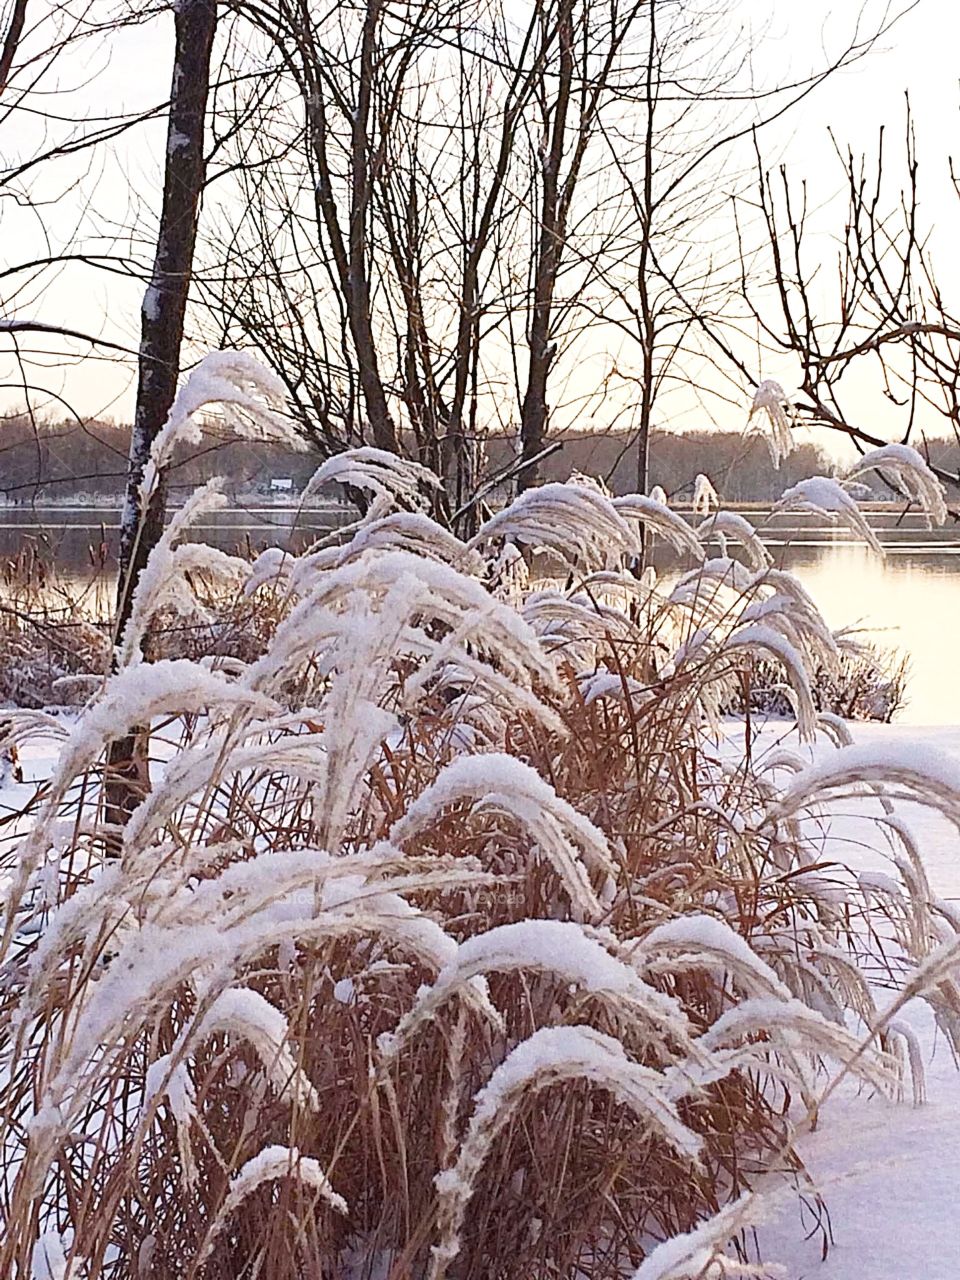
x,y
889,1173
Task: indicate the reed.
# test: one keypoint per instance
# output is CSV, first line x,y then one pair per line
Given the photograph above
x,y
452,936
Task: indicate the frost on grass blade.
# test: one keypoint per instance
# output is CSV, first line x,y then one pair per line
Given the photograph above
x,y
170,1080
804,629
793,1024
900,1033
137,694
247,1014
595,685
271,567
164,582
414,532
704,940
573,618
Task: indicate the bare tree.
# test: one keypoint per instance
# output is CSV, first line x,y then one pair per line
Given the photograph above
x,y
440,221
11,40
58,243
877,336
456,212
674,283
445,145
162,319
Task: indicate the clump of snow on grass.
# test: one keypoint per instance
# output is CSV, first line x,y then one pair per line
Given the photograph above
x,y
903,468
828,498
771,400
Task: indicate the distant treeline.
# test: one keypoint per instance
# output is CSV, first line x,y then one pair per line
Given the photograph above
x,y
64,460
739,466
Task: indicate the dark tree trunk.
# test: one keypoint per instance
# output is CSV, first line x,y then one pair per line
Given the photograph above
x,y
534,413
162,317
11,41
351,256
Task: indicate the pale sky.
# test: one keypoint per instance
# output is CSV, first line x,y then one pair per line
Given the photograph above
x,y
919,55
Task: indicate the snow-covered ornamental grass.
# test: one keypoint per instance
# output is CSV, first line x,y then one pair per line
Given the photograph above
x,y
451,940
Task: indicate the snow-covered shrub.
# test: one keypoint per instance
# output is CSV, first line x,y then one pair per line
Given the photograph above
x,y
868,683
453,937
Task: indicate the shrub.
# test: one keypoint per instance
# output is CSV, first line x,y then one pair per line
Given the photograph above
x,y
50,628
867,682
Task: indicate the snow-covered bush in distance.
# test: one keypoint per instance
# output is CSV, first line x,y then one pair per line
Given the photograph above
x,y
450,938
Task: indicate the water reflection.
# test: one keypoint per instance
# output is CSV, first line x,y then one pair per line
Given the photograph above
x,y
911,599
75,537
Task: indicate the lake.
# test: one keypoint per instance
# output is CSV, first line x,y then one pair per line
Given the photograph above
x,y
72,535
910,599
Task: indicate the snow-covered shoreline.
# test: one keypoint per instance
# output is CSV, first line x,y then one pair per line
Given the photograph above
x,y
886,1170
